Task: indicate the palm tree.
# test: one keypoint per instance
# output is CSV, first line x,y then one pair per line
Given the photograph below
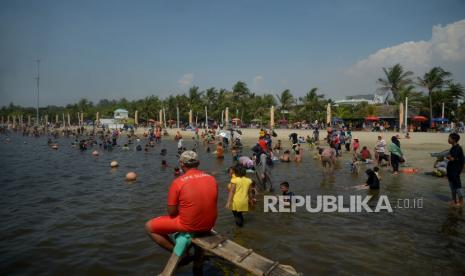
x,y
414,97
286,100
433,81
396,78
312,103
456,91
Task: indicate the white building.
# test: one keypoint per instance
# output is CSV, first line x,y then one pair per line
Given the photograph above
x,y
377,98
120,114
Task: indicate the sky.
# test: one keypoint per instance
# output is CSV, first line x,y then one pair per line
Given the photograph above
x,y
133,49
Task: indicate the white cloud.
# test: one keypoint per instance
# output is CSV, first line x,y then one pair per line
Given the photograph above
x,y
446,47
186,80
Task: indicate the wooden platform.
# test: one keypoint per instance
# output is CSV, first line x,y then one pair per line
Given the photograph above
x,y
238,255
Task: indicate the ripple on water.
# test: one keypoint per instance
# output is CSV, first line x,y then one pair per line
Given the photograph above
x,y
68,211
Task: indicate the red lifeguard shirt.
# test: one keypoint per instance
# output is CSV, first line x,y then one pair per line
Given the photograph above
x,y
195,193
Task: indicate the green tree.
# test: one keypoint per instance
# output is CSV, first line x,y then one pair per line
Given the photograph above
x,y
434,81
286,101
395,79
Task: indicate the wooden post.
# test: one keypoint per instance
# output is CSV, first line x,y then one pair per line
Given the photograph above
x,y
171,265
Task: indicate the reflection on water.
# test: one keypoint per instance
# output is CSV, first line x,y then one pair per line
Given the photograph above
x,y
63,210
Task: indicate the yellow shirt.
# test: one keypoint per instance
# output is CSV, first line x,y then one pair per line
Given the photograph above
x,y
240,201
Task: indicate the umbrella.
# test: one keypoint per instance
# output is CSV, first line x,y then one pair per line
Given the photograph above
x,y
419,118
235,119
371,118
440,120
152,121
225,134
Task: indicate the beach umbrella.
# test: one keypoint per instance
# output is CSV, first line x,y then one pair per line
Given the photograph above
x,y
440,120
136,118
272,117
419,119
371,118
328,114
401,115
225,134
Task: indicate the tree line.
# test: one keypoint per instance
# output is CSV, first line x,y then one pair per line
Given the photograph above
x,y
426,94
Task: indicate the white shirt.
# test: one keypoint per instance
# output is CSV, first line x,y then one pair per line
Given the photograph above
x,y
380,146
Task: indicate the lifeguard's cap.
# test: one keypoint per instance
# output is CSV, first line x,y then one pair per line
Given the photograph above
x,y
188,157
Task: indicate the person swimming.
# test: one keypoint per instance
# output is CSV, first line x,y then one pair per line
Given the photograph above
x,y
286,156
139,148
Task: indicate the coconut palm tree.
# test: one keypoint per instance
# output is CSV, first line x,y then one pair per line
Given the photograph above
x,y
395,79
414,97
312,104
433,81
286,101
456,91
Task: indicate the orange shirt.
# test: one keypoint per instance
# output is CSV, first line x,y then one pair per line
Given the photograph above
x,y
219,152
195,193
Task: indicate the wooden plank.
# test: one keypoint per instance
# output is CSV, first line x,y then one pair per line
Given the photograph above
x,y
245,255
241,256
271,268
171,265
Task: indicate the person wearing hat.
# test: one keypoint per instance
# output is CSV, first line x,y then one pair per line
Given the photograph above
x,y
192,204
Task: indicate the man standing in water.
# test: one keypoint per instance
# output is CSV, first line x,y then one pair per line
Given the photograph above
x,y
454,168
192,204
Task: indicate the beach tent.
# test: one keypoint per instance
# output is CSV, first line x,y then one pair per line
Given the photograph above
x,y
371,118
419,119
440,120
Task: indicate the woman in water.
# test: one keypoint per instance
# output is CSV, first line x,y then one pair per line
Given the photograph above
x,y
396,154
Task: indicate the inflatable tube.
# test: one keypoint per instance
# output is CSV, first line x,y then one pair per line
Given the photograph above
x,y
409,170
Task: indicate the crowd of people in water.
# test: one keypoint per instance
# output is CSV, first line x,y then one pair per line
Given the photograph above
x,y
192,197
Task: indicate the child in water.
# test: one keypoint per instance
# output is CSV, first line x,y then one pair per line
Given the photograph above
x,y
298,153
239,194
177,172
287,195
355,165
285,157
219,151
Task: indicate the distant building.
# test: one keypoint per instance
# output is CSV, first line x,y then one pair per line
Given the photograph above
x,y
377,98
120,114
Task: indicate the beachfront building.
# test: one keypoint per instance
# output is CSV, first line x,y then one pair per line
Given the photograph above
x,y
120,114
376,98
115,123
